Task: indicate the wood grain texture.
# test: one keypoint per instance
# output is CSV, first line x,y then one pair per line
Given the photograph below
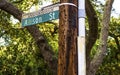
x,y
67,58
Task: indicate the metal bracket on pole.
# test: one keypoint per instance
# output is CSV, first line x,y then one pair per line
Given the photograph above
x,y
81,13
68,4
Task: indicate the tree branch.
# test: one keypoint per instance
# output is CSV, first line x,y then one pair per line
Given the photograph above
x,y
93,25
101,53
9,8
45,49
93,29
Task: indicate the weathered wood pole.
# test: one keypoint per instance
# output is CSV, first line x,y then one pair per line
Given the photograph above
x,y
68,25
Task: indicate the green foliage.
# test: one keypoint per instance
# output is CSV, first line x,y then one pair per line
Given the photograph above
x,y
50,30
111,64
20,55
115,26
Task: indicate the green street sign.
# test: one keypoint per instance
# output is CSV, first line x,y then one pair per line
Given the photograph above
x,y
40,18
46,14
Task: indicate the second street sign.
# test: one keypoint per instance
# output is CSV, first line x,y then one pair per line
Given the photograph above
x,y
45,14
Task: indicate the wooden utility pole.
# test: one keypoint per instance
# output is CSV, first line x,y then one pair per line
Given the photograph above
x,y
67,58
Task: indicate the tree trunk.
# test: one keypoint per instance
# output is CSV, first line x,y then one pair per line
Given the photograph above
x,y
93,31
102,49
67,58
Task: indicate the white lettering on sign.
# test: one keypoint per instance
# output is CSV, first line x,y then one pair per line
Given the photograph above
x,y
40,19
52,15
33,20
26,22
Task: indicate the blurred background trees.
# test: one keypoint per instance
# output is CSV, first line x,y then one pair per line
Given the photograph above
x,y
19,54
